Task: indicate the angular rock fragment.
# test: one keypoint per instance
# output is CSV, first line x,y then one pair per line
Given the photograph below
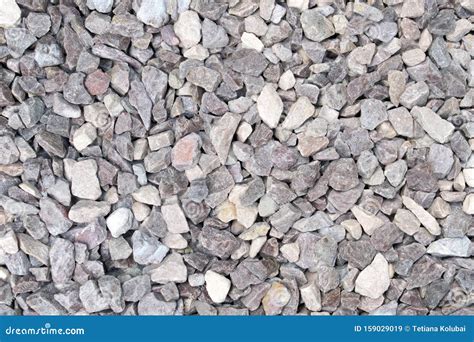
x,y
428,221
85,183
61,258
221,134
374,280
437,128
315,26
171,269
217,286
188,29
252,157
120,221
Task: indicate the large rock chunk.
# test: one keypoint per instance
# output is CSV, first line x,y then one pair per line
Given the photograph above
x,y
276,299
9,153
74,90
54,215
120,221
150,305
373,113
374,280
436,127
455,247
186,152
172,269
217,286
10,13
270,106
424,271
152,13
220,243
61,258
86,211
85,183
222,133
315,26
345,176
299,112
204,77
428,221
147,249
248,61
174,218
188,29
92,298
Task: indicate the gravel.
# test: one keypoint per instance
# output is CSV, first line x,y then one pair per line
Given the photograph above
x,y
236,157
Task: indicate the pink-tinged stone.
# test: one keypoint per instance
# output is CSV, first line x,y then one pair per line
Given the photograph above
x,y
97,82
186,152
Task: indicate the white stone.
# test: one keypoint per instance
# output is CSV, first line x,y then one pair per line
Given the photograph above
x,y
291,251
10,13
102,6
425,40
172,269
412,8
246,216
469,176
368,222
256,246
197,52
160,140
196,279
120,222
299,4
140,211
244,131
269,106
147,194
84,136
353,228
455,247
287,80
251,41
153,13
9,243
468,204
266,8
257,230
299,112
217,286
174,218
84,181
226,211
113,105
467,4
374,280
188,29
311,296
428,221
406,221
436,127
413,57
175,241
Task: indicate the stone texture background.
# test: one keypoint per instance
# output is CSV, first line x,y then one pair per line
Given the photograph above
x,y
236,157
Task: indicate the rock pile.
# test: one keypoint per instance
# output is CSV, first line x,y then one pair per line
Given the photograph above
x,y
236,157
